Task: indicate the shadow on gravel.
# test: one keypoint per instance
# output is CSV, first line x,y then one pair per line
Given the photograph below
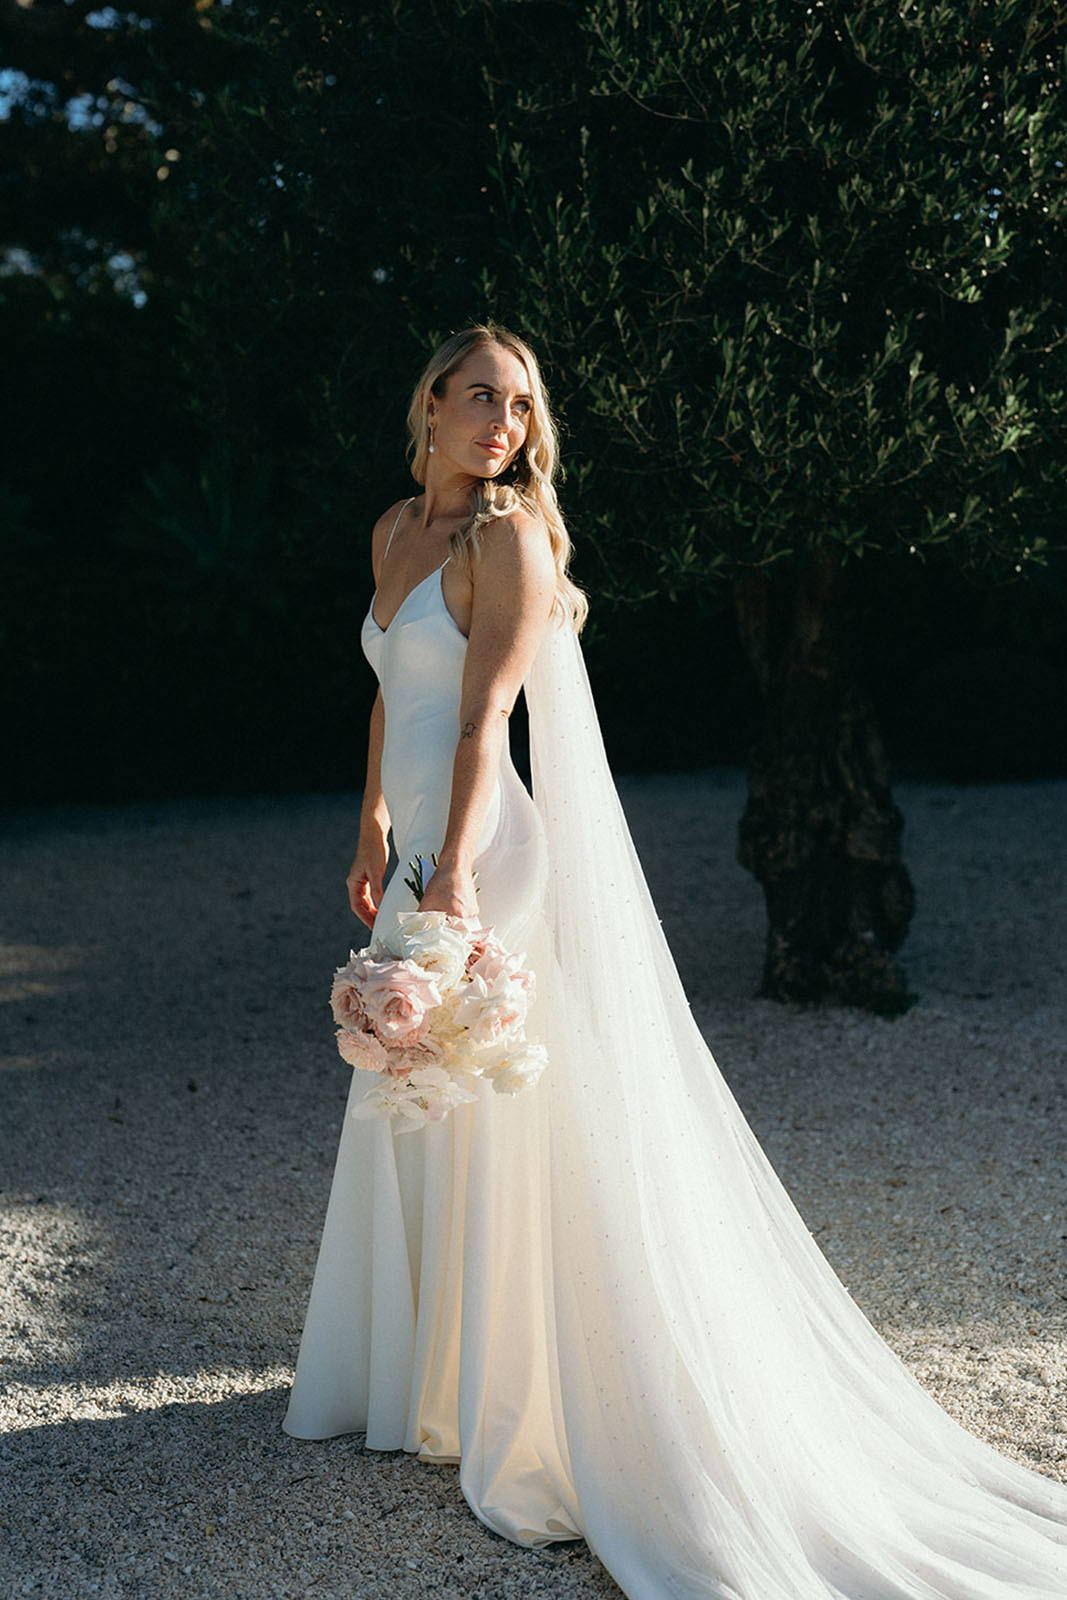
x,y
173,1099
213,1499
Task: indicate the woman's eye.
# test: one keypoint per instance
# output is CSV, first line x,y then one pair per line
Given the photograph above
x,y
482,393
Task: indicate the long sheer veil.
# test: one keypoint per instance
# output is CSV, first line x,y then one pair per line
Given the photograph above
x,y
737,1427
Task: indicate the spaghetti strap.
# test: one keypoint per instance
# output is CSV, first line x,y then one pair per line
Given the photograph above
x,y
393,529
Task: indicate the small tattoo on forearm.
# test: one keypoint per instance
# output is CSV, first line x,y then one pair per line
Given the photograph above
x,y
467,730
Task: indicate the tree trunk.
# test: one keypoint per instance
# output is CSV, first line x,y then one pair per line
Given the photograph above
x,y
820,830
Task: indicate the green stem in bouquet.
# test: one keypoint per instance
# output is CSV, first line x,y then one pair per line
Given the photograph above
x,y
415,883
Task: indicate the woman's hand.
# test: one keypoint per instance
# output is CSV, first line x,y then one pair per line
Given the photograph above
x,y
365,875
451,889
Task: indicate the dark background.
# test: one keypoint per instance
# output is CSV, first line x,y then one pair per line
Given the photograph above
x,y
223,275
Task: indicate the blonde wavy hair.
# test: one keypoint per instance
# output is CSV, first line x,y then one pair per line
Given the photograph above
x,y
527,481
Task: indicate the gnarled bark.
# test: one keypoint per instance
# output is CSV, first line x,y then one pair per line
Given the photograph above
x,y
820,830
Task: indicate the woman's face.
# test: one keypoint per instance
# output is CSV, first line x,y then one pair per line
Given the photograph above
x,y
484,416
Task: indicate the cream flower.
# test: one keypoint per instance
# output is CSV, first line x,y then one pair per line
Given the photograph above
x,y
440,944
489,1011
426,1094
510,1070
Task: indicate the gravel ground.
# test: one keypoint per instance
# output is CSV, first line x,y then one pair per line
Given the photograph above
x,y
172,1105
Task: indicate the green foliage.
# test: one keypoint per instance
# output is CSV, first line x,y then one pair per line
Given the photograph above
x,y
222,531
793,270
83,99
218,517
800,267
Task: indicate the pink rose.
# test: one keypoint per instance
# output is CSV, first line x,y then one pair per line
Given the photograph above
x,y
498,962
403,1060
362,1050
346,1002
396,998
481,941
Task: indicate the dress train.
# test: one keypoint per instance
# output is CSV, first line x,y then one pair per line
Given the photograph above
x,y
596,1296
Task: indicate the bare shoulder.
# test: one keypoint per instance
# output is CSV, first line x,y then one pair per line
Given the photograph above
x,y
381,531
514,582
516,546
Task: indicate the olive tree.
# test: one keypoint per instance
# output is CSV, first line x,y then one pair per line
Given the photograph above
x,y
802,265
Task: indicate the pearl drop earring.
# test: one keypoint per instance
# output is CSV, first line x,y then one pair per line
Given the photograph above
x,y
431,446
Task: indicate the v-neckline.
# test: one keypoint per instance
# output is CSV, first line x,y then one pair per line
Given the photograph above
x,y
370,613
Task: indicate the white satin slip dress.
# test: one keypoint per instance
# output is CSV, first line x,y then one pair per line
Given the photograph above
x,y
428,1327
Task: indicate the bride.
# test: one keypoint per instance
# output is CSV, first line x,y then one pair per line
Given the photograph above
x,y
596,1296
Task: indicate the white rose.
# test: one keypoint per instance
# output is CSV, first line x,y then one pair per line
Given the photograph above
x,y
491,1011
438,947
514,1068
425,1094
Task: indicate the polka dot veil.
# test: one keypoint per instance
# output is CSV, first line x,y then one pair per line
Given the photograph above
x,y
736,1427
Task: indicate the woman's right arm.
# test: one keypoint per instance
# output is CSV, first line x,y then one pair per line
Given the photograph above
x,y
372,851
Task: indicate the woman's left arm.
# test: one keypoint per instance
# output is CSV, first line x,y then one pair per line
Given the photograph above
x,y
514,586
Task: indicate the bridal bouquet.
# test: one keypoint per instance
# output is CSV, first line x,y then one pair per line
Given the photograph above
x,y
437,1004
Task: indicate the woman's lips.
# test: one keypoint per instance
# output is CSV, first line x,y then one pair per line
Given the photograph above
x,y
494,449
